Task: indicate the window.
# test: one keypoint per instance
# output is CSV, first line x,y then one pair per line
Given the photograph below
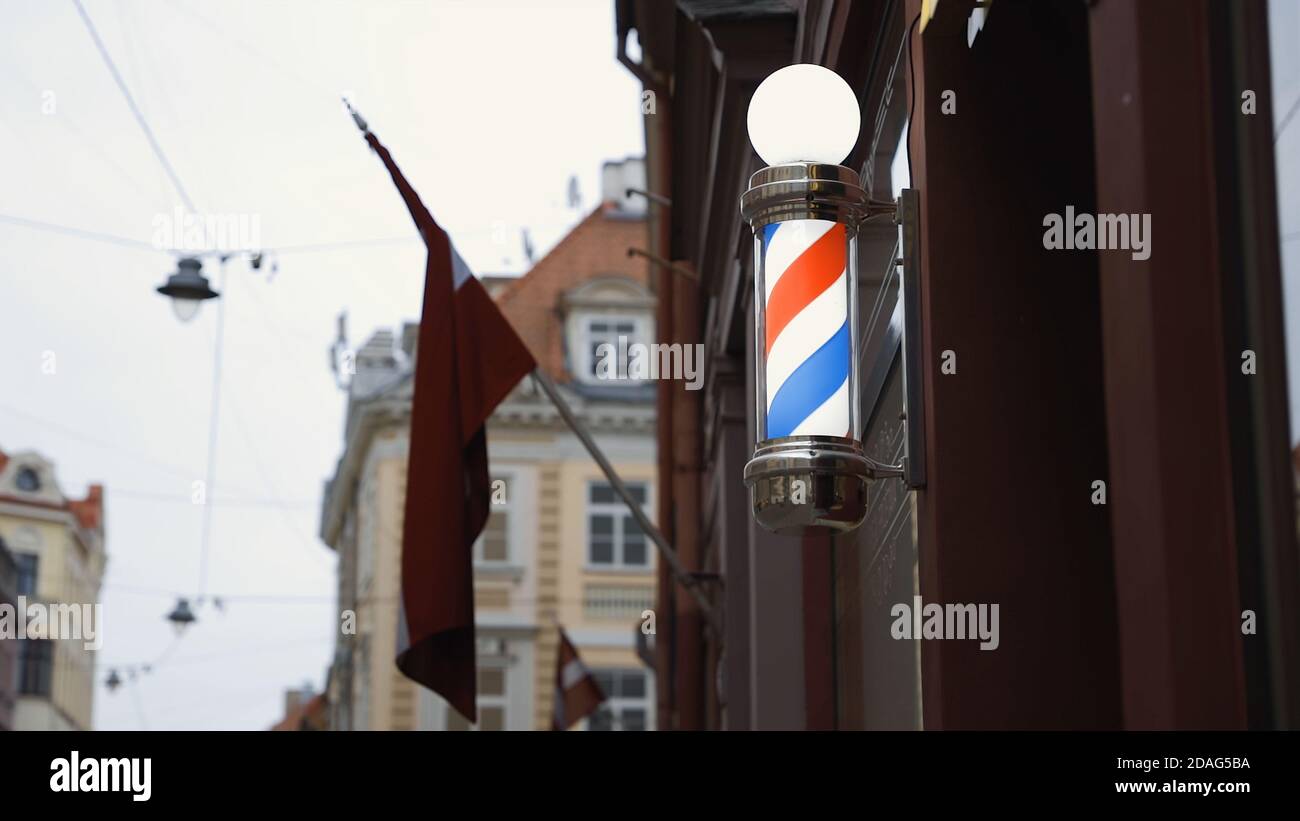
x,y
627,701
28,480
491,703
492,699
614,538
610,365
35,666
493,544
616,333
28,563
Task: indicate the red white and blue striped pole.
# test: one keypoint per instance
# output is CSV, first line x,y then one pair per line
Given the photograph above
x,y
808,469
807,336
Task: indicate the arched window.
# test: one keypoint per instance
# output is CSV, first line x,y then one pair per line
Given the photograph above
x,y
28,480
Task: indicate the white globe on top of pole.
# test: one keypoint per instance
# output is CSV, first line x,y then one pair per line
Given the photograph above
x,y
803,113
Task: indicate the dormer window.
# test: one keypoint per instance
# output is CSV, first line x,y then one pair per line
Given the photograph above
x,y
611,341
609,325
28,480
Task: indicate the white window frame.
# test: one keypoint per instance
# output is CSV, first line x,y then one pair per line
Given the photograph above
x,y
616,704
512,512
618,510
584,358
501,701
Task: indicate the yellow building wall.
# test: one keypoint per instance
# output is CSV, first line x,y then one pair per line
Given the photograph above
x,y
381,493
67,574
570,480
559,565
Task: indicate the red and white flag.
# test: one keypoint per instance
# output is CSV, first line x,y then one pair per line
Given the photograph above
x,y
468,359
577,695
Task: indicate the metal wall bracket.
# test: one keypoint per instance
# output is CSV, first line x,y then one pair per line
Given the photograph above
x,y
902,348
909,217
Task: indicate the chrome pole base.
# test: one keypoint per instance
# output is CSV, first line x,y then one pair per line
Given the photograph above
x,y
802,482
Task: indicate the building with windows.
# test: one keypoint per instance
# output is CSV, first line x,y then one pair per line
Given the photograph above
x,y
57,547
558,547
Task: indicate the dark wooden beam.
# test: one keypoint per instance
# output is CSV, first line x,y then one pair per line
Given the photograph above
x,y
1171,493
1016,435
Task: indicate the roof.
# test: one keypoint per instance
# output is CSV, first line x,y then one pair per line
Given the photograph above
x,y
88,512
595,248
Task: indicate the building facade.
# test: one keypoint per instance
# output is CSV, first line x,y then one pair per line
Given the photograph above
x,y
558,547
305,710
57,544
1097,461
8,649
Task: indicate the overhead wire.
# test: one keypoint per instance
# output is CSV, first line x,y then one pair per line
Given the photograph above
x,y
269,598
184,660
166,467
295,598
1286,119
80,233
168,168
133,66
235,501
67,121
314,551
135,109
98,236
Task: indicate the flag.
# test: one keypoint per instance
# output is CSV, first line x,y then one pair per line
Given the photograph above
x,y
467,360
577,695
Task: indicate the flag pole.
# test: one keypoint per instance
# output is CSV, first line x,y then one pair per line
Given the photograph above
x,y
683,576
356,117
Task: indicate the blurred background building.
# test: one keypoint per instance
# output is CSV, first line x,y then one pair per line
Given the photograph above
x,y
304,710
559,547
8,649
57,546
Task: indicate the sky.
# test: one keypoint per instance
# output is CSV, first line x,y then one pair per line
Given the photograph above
x,y
488,107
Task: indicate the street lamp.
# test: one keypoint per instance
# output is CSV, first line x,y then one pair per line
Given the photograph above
x,y
181,616
809,469
188,288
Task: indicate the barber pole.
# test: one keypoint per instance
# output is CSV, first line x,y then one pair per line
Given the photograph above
x,y
809,469
807,334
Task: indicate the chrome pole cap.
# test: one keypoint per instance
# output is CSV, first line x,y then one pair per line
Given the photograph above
x,y
802,482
